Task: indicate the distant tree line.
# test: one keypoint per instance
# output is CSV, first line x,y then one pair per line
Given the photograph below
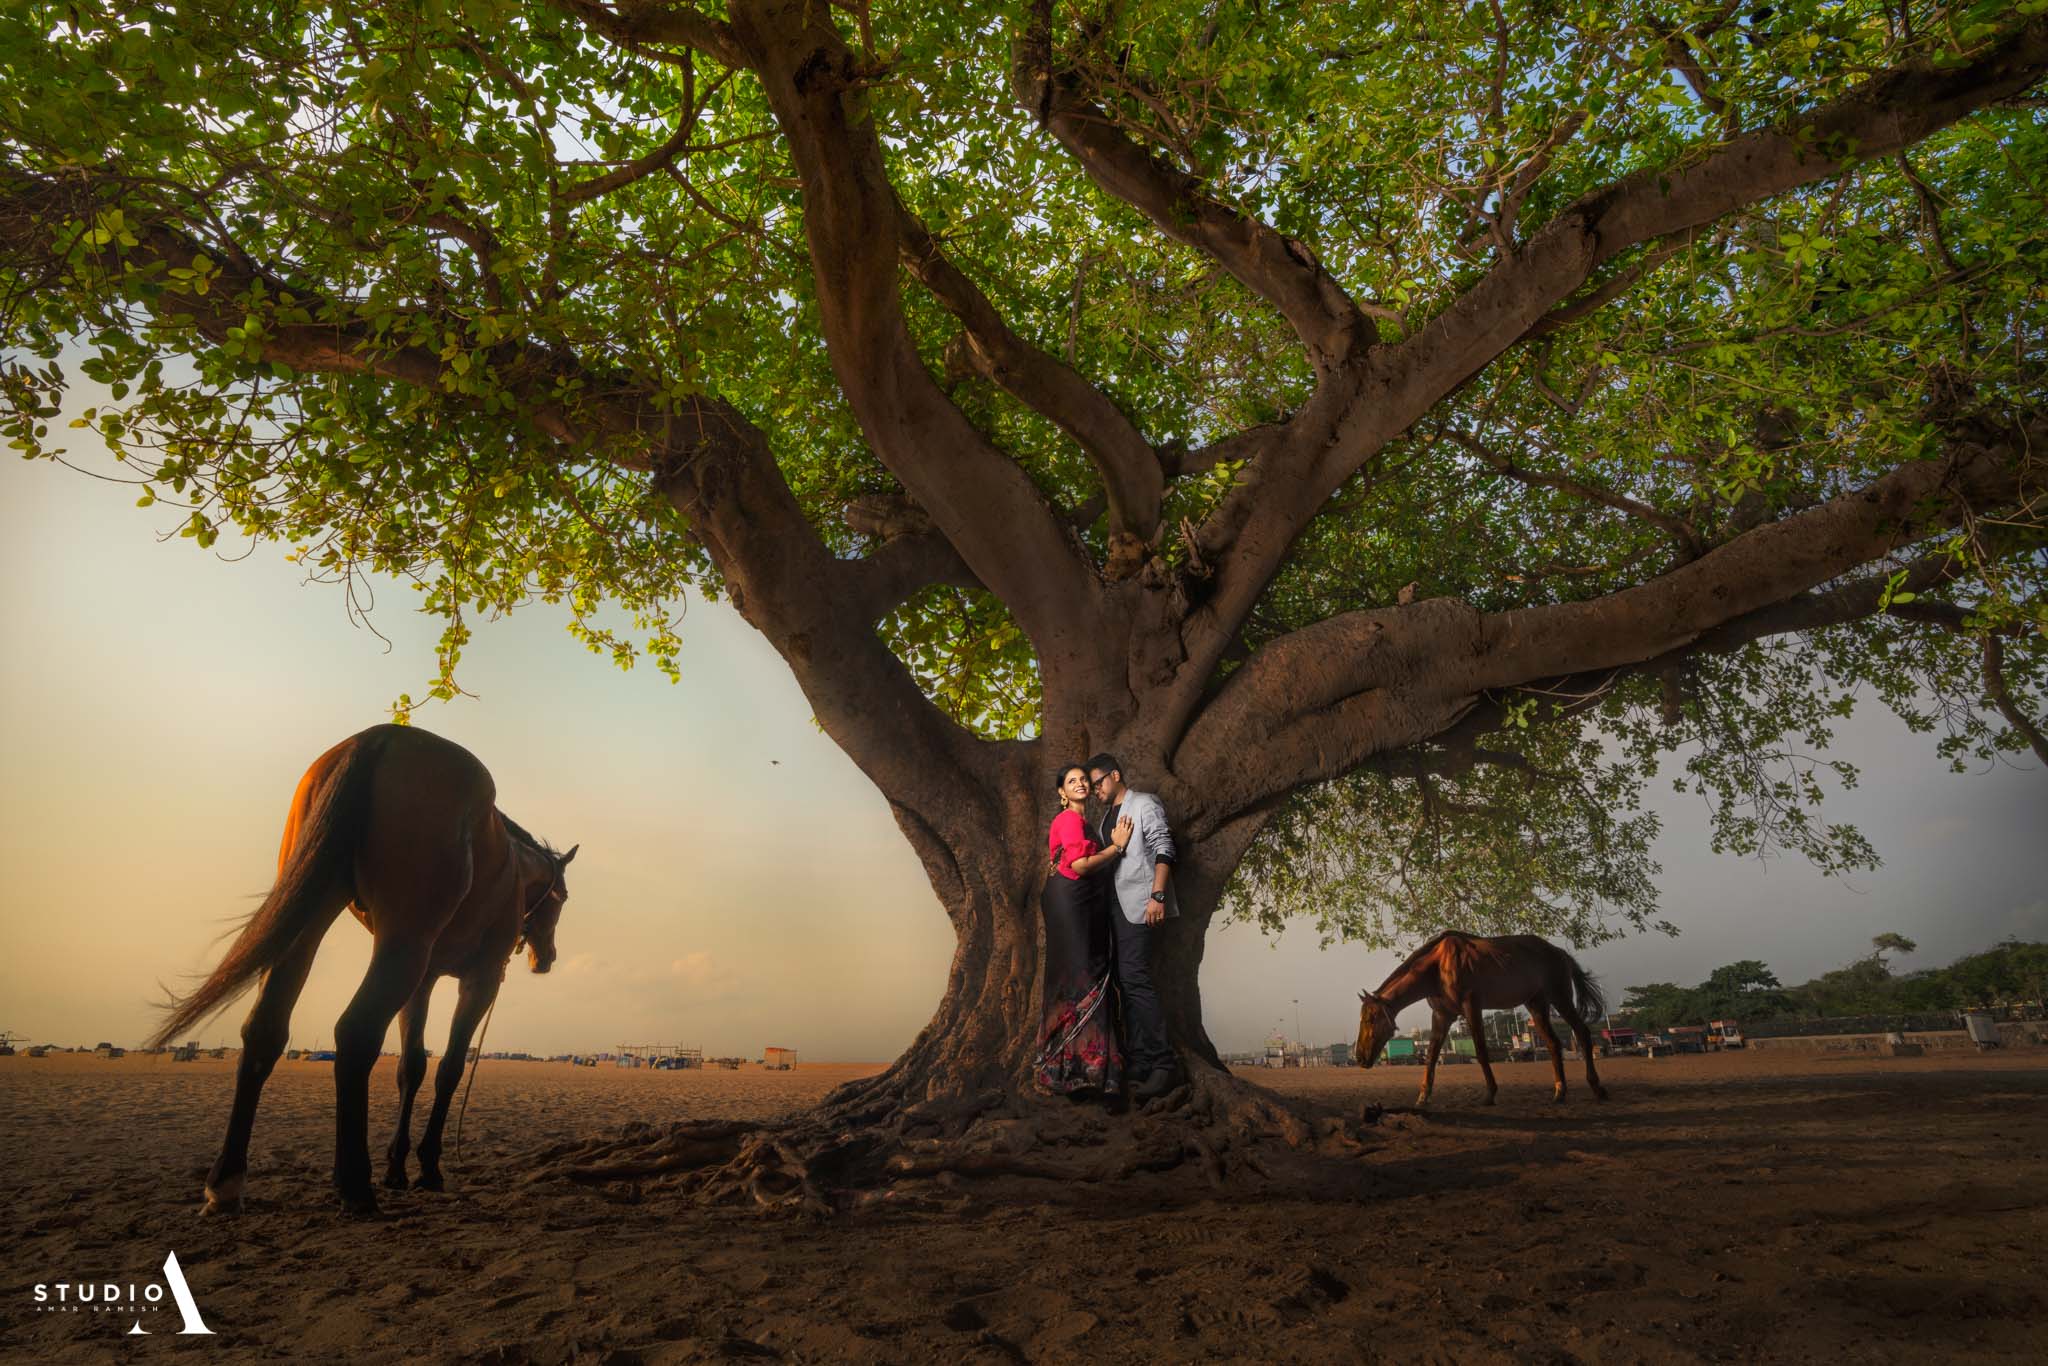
x,y
1749,991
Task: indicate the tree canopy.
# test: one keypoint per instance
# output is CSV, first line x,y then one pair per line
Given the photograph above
x,y
1208,377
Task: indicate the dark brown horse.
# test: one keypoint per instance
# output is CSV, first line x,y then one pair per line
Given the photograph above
x,y
1461,975
401,827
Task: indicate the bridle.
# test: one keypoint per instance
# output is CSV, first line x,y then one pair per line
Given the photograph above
x,y
1382,1017
525,920
540,898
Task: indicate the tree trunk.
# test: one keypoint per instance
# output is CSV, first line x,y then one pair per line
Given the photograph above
x,y
960,1104
985,1028
985,1031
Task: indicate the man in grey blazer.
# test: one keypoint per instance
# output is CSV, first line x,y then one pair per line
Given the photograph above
x,y
1142,901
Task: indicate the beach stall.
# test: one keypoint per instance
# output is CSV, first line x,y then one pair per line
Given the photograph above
x,y
778,1059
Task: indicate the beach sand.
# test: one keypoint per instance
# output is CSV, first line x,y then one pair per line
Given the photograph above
x,y
1735,1207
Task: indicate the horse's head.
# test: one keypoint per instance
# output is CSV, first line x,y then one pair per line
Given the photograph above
x,y
1375,1027
544,897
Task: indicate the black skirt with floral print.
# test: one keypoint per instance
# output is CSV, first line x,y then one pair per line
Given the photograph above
x,y
1077,1045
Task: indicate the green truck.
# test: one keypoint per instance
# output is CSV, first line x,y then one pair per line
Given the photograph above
x,y
1403,1051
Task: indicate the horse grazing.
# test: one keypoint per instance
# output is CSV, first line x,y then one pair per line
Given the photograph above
x,y
1461,975
402,828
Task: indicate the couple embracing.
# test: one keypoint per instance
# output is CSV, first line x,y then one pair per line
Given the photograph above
x,y
1107,896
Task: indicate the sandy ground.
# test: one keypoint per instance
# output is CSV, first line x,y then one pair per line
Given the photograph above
x,y
1734,1207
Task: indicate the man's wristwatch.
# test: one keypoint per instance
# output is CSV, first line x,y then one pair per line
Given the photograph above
x,y
1159,897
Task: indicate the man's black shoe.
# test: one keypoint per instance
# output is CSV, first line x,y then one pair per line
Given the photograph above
x,y
1158,1084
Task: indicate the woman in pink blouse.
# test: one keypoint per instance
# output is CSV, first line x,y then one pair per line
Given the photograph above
x,y
1077,1052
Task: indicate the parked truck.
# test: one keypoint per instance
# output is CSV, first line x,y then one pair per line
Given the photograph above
x,y
1688,1038
1724,1034
1402,1052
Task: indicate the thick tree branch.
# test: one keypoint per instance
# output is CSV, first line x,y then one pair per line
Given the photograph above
x,y
640,167
2001,698
708,459
647,26
1130,470
1277,268
818,612
910,554
1678,50
890,575
1880,117
1347,424
1983,467
1179,461
1329,696
982,501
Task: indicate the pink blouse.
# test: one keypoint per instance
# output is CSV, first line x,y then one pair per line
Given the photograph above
x,y
1068,840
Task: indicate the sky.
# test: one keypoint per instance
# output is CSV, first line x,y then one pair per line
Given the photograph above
x,y
740,884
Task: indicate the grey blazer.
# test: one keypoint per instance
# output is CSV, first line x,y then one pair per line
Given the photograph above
x,y
1130,877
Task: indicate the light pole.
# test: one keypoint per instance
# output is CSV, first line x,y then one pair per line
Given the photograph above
x,y
1297,1022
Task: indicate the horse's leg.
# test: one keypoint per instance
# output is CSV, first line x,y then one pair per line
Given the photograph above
x,y
412,1070
396,968
1585,1038
264,1035
1475,1021
1539,1020
475,999
1440,1025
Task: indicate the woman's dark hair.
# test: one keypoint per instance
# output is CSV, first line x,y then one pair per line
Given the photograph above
x,y
1059,779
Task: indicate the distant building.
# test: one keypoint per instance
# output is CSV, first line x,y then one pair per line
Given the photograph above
x,y
778,1059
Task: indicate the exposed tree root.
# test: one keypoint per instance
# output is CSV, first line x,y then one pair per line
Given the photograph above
x,y
868,1146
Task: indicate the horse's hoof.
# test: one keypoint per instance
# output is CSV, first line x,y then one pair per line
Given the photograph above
x,y
1600,1094
430,1181
394,1179
1489,1098
359,1204
1557,1096
226,1198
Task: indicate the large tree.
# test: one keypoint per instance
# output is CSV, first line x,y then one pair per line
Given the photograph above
x,y
1390,428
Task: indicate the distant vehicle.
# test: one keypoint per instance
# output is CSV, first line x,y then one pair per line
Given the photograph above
x,y
322,1055
1404,1051
1688,1038
1658,1046
1617,1041
1460,1050
1725,1034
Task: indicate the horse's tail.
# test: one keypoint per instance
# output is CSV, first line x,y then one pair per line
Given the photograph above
x,y
318,867
1592,1004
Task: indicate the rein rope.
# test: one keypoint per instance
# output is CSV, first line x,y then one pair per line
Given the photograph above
x,y
484,1031
474,1063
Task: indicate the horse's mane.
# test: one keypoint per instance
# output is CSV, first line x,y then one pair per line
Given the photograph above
x,y
1422,951
519,833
